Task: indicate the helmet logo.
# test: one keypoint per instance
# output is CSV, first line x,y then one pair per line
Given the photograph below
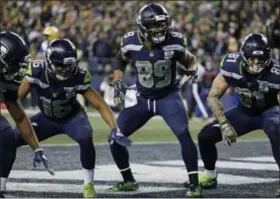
x,y
3,51
160,17
69,60
257,52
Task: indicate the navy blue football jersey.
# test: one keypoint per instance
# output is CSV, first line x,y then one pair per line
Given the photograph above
x,y
256,93
57,100
156,68
8,92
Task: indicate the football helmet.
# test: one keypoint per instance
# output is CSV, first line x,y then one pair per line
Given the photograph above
x,y
154,23
51,33
61,59
14,56
256,53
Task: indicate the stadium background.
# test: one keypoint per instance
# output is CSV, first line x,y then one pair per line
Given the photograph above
x,y
213,29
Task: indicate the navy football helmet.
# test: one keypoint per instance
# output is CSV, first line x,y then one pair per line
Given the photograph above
x,y
14,56
256,53
61,59
154,23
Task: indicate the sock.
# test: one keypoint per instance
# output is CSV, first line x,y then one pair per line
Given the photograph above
x,y
212,173
121,157
189,154
3,184
88,175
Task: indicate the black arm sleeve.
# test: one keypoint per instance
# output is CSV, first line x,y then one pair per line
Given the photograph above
x,y
119,63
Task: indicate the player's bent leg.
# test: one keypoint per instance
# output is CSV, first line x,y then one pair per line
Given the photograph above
x,y
271,126
44,128
211,134
172,110
79,129
129,120
7,155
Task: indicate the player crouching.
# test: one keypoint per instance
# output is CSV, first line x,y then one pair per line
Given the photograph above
x,y
57,81
255,77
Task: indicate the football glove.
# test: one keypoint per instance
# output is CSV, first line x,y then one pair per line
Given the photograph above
x,y
228,133
118,137
40,158
118,92
191,75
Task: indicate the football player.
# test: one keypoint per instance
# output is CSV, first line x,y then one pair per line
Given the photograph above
x,y
255,77
154,51
57,80
14,60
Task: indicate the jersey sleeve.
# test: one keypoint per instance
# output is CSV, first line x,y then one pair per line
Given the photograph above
x,y
130,42
33,73
83,81
231,67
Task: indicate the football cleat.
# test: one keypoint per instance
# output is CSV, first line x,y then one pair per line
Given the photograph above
x,y
194,191
89,191
207,181
124,186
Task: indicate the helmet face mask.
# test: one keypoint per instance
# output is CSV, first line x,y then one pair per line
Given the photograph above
x,y
14,56
156,31
61,59
154,23
256,53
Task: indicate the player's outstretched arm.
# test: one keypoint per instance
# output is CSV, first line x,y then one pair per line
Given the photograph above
x,y
188,61
106,112
278,97
23,123
99,104
24,89
120,63
217,90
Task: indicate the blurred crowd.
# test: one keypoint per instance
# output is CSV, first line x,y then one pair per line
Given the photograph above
x,y
212,28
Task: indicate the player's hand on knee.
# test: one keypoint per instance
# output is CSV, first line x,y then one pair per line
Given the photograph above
x,y
118,137
40,158
228,133
118,92
191,75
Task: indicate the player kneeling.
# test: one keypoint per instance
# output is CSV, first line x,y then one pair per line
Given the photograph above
x,y
57,81
255,77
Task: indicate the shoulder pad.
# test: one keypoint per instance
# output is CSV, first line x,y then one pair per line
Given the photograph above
x,y
231,62
131,41
35,68
83,76
177,42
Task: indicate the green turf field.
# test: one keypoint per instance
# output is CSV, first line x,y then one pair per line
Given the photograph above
x,y
155,130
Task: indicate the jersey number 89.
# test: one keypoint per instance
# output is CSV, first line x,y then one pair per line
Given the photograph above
x,y
146,70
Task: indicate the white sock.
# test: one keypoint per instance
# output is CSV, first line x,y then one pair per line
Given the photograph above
x,y
3,184
88,175
212,173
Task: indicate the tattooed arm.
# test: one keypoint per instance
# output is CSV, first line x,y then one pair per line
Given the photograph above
x,y
217,90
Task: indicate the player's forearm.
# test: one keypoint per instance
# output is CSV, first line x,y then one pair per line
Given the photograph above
x,y
216,106
27,132
107,115
192,63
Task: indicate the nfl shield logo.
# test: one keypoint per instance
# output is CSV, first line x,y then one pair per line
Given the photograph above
x,y
151,54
